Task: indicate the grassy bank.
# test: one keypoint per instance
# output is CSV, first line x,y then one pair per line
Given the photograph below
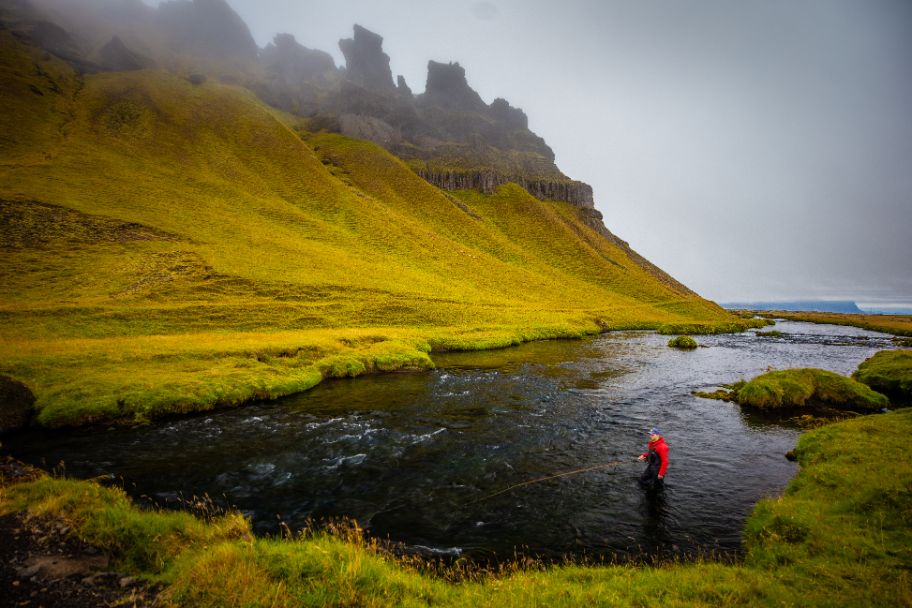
x,y
129,380
899,325
889,372
841,534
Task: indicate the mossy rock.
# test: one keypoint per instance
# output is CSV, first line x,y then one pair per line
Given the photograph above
x,y
683,343
16,404
799,388
888,372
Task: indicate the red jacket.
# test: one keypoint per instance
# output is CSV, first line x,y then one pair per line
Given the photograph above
x,y
661,448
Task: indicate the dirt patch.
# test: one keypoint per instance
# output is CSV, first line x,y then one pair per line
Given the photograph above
x,y
30,224
44,563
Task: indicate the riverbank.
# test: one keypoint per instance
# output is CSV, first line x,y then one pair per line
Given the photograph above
x,y
133,379
840,534
898,325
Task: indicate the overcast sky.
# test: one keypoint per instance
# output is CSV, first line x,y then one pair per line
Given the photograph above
x,y
755,150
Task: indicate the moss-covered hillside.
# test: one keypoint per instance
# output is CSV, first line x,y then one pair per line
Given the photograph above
x,y
171,247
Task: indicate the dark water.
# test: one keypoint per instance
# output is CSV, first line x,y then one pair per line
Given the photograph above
x,y
410,455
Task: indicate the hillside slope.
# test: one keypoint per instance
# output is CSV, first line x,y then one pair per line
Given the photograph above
x,y
172,247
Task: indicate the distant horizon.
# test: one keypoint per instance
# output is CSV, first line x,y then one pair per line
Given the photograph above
x,y
899,308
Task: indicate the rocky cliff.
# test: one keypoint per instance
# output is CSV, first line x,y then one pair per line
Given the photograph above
x,y
487,181
206,27
448,133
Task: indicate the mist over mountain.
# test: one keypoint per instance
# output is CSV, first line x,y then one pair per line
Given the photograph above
x,y
448,134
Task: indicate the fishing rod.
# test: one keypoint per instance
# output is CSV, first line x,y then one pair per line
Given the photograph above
x,y
606,465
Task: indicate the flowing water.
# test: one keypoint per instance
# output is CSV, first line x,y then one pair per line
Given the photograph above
x,y
415,457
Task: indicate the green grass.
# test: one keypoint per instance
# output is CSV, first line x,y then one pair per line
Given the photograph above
x,y
169,248
683,343
799,388
888,372
775,333
841,534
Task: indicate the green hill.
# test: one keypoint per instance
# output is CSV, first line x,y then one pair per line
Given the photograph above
x,y
171,247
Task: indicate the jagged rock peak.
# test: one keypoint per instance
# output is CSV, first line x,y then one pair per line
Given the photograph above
x,y
513,118
365,62
402,88
208,27
117,57
295,63
447,86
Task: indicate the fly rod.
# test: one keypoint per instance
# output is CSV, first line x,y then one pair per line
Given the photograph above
x,y
606,465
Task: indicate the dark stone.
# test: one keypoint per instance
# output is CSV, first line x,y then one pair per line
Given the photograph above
x,y
116,57
402,88
565,190
206,27
16,404
296,76
511,117
365,62
447,87
53,39
292,63
196,79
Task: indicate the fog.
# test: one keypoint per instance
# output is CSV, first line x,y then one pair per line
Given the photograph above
x,y
755,151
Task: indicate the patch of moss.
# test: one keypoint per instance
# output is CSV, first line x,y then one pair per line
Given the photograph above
x,y
683,343
775,333
718,394
808,387
888,372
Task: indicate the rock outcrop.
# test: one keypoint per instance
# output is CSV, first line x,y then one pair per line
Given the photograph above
x,y
565,190
116,57
293,63
296,78
16,404
402,88
447,88
365,62
209,28
512,118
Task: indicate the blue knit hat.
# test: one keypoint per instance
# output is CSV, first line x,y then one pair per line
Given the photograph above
x,y
655,431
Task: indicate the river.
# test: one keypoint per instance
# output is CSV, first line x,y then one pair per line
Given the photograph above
x,y
415,457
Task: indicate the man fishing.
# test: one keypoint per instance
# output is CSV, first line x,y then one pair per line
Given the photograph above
x,y
657,454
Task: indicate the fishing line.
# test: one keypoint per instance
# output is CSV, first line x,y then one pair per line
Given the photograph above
x,y
606,465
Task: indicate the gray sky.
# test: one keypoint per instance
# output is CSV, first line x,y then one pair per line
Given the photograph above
x,y
754,150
